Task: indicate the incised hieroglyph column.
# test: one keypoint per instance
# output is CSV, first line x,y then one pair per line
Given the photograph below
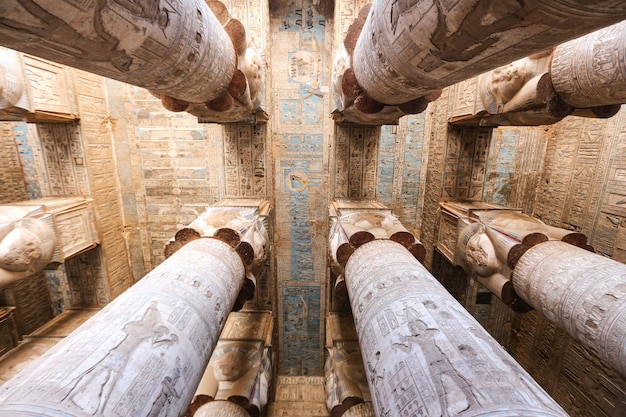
x,y
407,50
145,352
583,77
582,292
179,50
424,354
243,225
354,224
529,264
403,52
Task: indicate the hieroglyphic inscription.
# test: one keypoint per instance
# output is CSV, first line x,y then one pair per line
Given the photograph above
x,y
577,159
588,71
402,160
466,98
301,45
49,86
59,289
153,334
30,155
96,139
435,179
127,160
167,47
412,180
465,163
356,160
11,177
253,15
85,276
65,159
531,149
501,167
301,315
177,169
386,165
432,44
345,13
554,278
244,160
298,185
591,137
609,199
30,296
423,353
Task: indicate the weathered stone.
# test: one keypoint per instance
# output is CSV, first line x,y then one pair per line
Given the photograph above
x,y
221,409
591,71
120,42
240,368
145,351
346,384
582,292
407,50
423,352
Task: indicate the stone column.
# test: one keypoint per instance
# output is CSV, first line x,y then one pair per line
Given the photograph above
x,y
145,352
583,293
583,77
360,410
346,385
407,50
591,71
221,409
241,225
423,352
240,368
177,49
487,241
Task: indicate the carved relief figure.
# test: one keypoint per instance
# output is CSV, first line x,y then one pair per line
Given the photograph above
x,y
168,392
90,390
453,388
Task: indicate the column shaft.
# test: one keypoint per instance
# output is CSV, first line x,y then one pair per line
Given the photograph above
x,y
424,354
145,351
221,409
591,71
409,49
176,48
582,292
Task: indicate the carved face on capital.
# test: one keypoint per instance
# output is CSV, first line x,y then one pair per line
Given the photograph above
x,y
19,250
481,255
231,366
506,81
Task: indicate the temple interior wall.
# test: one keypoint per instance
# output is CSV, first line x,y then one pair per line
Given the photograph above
x,y
151,172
